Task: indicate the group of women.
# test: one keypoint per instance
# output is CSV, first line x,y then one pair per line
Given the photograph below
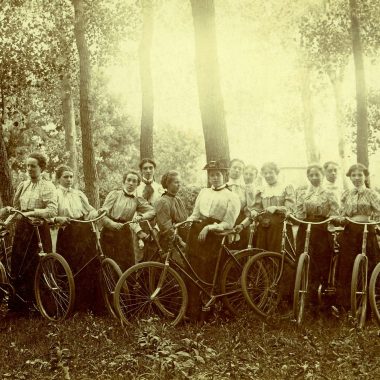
x,y
233,200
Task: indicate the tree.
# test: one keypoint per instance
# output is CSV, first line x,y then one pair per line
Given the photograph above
x,y
147,111
209,89
361,92
88,153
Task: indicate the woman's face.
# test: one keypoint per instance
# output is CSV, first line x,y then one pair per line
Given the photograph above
x,y
33,168
131,182
216,178
331,173
357,178
315,177
174,185
147,170
66,179
270,176
236,170
249,176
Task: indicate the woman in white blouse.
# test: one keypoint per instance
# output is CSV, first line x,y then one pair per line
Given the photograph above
x,y
217,209
76,241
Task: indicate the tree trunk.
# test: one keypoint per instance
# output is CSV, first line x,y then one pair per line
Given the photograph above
x,y
336,82
312,152
89,163
361,92
146,137
6,188
209,89
69,123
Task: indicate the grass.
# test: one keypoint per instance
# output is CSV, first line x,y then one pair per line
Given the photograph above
x,y
97,347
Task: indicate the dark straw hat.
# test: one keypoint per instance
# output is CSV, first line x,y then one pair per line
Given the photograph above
x,y
217,165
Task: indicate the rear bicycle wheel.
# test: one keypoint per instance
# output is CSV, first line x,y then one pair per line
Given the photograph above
x,y
54,287
151,288
359,290
268,296
109,276
231,280
374,292
301,288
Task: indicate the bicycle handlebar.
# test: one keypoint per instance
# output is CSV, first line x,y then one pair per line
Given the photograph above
x,y
307,222
102,215
369,223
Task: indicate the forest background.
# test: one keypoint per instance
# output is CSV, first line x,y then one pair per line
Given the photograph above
x,y
100,84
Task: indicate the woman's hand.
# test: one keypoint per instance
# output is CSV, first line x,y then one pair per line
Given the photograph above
x,y
137,219
115,226
142,235
238,228
203,234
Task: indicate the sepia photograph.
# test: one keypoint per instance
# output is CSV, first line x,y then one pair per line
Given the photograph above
x,y
189,189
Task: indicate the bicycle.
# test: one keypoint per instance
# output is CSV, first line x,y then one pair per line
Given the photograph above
x,y
262,277
359,280
374,292
110,271
301,288
53,280
159,288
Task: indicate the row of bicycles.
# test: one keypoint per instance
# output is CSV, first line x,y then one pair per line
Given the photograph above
x,y
274,285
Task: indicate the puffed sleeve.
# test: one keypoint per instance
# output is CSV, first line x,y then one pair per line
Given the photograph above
x,y
50,199
300,203
258,203
16,198
89,210
375,204
232,212
196,214
333,203
164,219
343,204
144,208
290,198
109,201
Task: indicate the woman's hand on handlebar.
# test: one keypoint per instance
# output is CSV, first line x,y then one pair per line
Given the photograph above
x,y
63,220
137,219
339,220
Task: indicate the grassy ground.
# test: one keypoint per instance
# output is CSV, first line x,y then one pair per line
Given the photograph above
x,y
89,347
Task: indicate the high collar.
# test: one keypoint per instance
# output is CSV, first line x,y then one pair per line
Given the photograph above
x,y
147,181
219,188
129,195
169,194
359,190
314,189
65,190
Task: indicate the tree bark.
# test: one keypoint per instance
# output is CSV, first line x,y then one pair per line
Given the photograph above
x,y
312,152
89,164
336,82
6,188
209,89
147,112
361,92
68,117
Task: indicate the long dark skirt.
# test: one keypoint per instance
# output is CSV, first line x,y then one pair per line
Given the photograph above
x,y
76,243
203,259
269,232
118,245
24,261
351,245
320,252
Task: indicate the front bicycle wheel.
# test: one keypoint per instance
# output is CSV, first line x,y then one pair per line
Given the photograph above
x,y
301,288
151,288
231,280
54,287
374,292
266,292
359,289
109,276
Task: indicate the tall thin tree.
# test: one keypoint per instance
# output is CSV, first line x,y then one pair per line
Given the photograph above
x,y
361,91
208,79
89,163
147,112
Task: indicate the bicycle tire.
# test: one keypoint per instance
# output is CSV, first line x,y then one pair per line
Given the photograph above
x,y
374,292
54,287
359,290
301,288
137,285
230,280
109,275
260,290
